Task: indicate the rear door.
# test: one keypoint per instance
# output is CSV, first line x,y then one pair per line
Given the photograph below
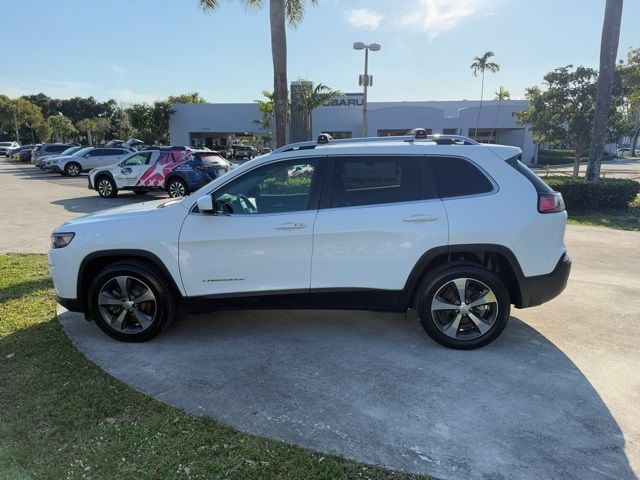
x,y
382,213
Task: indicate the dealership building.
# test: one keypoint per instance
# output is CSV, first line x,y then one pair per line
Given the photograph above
x,y
221,124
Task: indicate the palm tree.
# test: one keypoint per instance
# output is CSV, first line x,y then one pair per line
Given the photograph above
x,y
310,98
608,53
481,64
266,108
501,95
279,12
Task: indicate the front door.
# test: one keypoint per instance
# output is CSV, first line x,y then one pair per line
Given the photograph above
x,y
128,172
260,241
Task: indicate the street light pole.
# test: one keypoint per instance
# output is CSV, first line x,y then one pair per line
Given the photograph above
x,y
366,80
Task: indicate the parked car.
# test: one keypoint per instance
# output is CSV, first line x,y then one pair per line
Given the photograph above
x,y
620,152
11,151
243,152
179,171
24,155
265,150
39,153
46,162
4,146
86,159
458,231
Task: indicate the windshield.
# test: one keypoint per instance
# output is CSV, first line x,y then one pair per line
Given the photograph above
x,y
70,151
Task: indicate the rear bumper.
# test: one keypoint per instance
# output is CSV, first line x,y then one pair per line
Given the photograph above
x,y
542,288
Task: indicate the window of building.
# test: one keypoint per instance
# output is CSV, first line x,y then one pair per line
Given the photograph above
x,y
398,132
484,135
457,177
450,131
374,180
340,134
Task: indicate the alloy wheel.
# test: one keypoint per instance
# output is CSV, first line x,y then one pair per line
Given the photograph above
x,y
176,189
127,304
464,308
73,170
105,188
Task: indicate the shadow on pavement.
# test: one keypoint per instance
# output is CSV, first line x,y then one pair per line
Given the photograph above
x,y
94,203
374,387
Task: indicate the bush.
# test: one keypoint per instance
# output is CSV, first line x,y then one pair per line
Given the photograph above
x,y
606,194
563,157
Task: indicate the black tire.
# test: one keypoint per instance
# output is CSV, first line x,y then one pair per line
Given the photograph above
x,y
467,334
140,273
175,186
140,192
106,187
72,169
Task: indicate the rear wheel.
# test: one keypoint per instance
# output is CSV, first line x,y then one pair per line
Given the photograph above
x,y
131,301
72,169
463,307
106,187
176,187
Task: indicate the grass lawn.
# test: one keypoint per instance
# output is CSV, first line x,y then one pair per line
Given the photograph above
x,y
63,417
622,220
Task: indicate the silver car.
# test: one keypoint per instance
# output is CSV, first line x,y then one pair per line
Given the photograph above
x,y
87,158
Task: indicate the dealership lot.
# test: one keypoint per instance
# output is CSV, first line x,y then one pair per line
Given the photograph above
x,y
557,396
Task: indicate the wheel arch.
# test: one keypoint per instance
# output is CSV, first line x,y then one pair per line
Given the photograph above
x,y
96,261
496,258
103,173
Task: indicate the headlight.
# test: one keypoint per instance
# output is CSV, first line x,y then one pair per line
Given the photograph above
x,y
60,240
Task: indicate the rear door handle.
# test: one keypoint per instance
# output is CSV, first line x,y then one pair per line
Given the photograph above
x,y
420,218
290,226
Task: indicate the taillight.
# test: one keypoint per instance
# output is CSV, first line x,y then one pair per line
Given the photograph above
x,y
550,202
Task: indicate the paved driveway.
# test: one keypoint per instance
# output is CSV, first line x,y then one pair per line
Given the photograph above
x,y
557,396
619,168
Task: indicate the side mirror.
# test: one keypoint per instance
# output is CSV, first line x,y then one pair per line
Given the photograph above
x,y
205,204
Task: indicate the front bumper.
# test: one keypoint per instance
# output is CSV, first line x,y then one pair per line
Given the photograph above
x,y
542,288
54,167
71,304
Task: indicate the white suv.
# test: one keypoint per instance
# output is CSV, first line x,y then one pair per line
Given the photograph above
x,y
457,230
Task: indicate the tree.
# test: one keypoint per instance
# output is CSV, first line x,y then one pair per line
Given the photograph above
x,y
482,64
608,55
630,91
61,128
88,126
564,111
266,108
103,125
310,98
18,114
279,12
501,95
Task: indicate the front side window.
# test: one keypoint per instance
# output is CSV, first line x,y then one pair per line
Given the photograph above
x,y
137,159
275,188
457,177
375,180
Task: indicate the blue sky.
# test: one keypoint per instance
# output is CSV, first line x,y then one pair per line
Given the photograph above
x,y
139,50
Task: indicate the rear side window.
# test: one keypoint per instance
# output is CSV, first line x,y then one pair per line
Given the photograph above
x,y
57,148
375,180
457,177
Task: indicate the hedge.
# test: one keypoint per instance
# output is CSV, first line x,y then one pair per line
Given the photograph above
x,y
563,157
605,194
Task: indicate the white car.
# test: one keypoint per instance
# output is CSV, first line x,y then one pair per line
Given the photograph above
x,y
457,230
5,146
87,158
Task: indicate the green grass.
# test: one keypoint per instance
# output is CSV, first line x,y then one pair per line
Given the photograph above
x,y
63,417
621,220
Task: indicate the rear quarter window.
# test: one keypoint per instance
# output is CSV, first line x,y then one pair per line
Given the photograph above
x,y
458,177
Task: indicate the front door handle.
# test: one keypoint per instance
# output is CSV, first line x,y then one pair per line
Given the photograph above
x,y
290,226
420,218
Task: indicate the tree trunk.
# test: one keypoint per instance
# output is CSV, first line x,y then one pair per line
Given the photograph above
x,y
277,16
576,161
89,137
634,142
495,124
608,54
475,135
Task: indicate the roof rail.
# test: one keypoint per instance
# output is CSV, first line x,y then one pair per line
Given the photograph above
x,y
417,134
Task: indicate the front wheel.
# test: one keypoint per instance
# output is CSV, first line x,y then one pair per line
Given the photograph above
x,y
71,169
131,301
106,187
463,307
177,188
